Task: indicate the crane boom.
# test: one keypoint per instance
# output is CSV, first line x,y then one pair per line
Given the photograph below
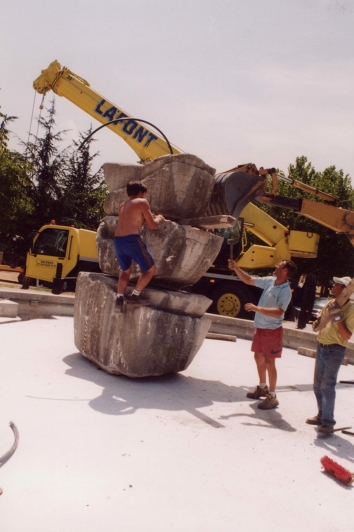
x,y
147,144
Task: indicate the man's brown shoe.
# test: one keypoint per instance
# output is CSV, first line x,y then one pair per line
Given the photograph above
x,y
325,429
258,393
268,403
120,304
314,420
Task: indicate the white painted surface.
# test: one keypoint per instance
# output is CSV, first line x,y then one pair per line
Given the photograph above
x,y
184,452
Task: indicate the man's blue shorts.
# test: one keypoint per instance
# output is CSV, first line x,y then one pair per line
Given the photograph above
x,y
130,248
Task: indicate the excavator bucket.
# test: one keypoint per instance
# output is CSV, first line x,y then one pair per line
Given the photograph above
x,y
233,191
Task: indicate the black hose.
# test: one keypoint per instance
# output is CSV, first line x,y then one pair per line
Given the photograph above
x,y
121,120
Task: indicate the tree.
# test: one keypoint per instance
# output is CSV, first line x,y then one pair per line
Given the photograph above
x,y
83,192
15,202
335,253
48,165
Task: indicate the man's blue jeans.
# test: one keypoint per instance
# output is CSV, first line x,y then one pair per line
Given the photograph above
x,y
328,361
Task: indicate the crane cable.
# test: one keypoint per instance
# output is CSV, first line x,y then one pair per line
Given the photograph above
x,y
31,121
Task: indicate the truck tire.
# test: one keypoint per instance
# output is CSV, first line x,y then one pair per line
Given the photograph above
x,y
229,299
57,286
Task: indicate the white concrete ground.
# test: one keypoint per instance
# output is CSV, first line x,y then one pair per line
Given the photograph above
x,y
184,452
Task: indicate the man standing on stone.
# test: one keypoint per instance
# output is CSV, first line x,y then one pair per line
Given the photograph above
x,y
267,342
332,343
128,245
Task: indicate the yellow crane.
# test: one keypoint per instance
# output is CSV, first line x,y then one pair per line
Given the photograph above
x,y
147,144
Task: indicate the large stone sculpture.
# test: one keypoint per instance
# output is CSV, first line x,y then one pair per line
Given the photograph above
x,y
166,336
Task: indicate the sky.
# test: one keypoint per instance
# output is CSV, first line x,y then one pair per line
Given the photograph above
x,y
231,81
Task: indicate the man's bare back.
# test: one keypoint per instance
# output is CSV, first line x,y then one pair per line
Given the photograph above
x,y
128,245
133,213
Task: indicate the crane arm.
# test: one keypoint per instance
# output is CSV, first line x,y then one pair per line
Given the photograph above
x,y
147,144
335,218
248,179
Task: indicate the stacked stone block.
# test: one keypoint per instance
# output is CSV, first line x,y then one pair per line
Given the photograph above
x,y
165,337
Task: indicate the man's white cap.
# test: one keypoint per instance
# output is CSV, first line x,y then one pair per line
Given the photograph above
x,y
345,281
342,280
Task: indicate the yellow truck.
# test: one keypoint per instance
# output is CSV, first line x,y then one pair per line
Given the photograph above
x,y
57,254
233,193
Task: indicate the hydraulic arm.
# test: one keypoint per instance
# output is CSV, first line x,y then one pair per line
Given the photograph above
x,y
335,218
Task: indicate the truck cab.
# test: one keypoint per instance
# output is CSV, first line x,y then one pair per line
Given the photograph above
x,y
58,253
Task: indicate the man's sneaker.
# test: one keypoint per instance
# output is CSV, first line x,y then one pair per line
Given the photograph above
x,y
120,304
314,420
268,403
136,301
325,429
259,392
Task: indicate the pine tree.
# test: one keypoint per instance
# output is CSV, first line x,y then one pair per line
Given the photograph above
x,y
48,165
15,201
83,192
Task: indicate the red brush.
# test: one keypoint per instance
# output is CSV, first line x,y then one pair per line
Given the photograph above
x,y
337,470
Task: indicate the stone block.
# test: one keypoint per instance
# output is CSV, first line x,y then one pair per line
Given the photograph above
x,y
140,342
118,175
179,186
186,158
8,309
182,254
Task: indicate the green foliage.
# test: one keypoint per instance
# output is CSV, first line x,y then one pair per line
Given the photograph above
x,y
64,188
15,202
83,192
47,182
48,164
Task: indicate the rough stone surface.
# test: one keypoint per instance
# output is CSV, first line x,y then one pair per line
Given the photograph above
x,y
118,175
8,309
105,248
179,186
140,342
182,253
186,158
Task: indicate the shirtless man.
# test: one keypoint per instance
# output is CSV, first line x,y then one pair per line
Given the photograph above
x,y
128,245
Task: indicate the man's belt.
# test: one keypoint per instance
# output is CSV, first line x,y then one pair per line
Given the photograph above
x,y
330,345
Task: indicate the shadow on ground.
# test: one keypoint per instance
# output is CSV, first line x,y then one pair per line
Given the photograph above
x,y
174,392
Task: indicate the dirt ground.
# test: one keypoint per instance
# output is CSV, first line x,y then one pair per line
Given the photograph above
x,y
10,280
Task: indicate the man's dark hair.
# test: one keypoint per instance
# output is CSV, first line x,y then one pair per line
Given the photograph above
x,y
134,187
290,266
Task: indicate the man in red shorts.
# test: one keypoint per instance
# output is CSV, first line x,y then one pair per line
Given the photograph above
x,y
128,245
268,335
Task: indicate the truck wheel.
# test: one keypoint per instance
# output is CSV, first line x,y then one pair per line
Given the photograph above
x,y
57,286
229,300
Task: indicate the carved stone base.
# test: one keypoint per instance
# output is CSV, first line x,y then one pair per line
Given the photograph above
x,y
140,342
